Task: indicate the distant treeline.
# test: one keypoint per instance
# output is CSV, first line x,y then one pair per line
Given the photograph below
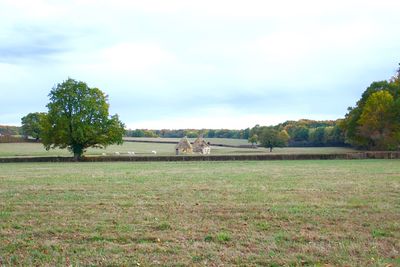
x,y
304,133
300,133
10,134
191,133
315,133
10,130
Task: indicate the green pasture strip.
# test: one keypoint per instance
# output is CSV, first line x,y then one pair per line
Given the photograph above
x,y
249,213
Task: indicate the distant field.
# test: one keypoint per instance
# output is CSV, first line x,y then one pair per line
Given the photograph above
x,y
280,213
223,141
35,149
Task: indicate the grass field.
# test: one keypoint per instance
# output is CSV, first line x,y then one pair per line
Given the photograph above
x,y
36,149
280,213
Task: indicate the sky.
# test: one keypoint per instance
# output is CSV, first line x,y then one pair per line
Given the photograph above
x,y
198,64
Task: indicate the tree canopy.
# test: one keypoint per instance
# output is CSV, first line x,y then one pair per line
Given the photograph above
x,y
374,123
270,137
303,133
78,118
31,124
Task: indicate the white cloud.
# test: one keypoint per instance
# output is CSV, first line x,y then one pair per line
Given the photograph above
x,y
38,9
135,57
194,51
247,9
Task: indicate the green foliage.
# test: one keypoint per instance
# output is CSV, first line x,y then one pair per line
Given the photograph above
x,y
375,121
270,137
78,118
208,238
223,237
334,134
300,133
191,133
263,226
283,137
141,133
313,133
317,136
253,139
135,133
379,233
31,124
303,133
149,133
245,133
9,130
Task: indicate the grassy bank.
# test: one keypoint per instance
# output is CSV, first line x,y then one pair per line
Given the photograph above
x,y
201,213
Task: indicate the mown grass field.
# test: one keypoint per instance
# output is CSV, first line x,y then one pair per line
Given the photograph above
x,y
266,213
37,149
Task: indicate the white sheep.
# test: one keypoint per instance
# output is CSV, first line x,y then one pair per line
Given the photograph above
x,y
117,153
154,152
131,153
103,154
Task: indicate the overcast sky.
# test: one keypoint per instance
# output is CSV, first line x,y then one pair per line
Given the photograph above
x,y
198,64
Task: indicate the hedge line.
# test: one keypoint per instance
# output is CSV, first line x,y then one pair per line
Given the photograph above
x,y
357,155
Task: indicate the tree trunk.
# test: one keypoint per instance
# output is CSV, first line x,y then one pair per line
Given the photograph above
x,y
78,151
77,156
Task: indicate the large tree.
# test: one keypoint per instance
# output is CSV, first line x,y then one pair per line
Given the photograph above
x,y
270,137
377,121
374,123
31,124
253,140
78,118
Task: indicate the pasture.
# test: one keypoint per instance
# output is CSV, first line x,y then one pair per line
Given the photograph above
x,y
267,213
37,149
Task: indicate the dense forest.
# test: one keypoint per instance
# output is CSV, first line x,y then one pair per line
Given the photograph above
x,y
302,133
374,123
